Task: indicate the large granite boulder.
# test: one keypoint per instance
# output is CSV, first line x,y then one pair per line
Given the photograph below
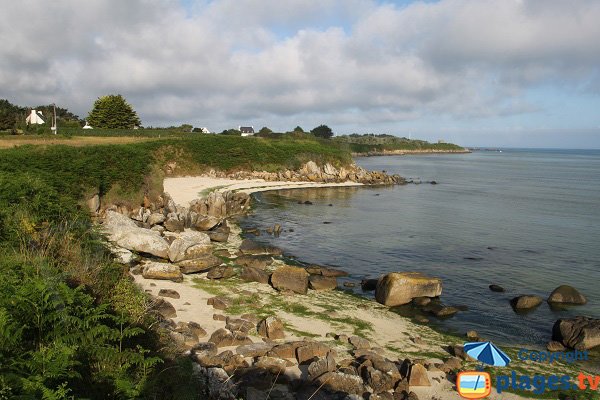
x,y
397,288
290,278
580,333
253,248
566,294
164,271
189,245
526,302
252,274
199,264
122,231
320,282
271,328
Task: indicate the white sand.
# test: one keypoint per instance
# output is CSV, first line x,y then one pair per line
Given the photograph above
x,y
185,189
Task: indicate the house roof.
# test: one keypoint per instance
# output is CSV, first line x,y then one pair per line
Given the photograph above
x,y
246,129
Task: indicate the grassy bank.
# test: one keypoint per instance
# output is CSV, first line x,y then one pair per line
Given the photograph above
x,y
381,144
72,324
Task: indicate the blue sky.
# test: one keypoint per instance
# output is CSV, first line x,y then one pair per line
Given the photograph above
x,y
481,73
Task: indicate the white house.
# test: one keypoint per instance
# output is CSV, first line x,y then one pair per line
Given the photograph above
x,y
87,126
205,130
246,130
35,118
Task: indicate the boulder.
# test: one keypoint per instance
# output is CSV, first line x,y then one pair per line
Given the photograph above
x,y
125,233
164,308
310,350
218,236
341,382
250,247
94,203
239,325
580,333
320,282
169,293
155,219
321,366
251,274
359,343
221,272
286,350
206,223
555,346
189,245
525,302
224,338
399,288
271,364
440,310
157,270
254,350
199,264
261,262
173,224
196,329
123,256
418,376
271,328
566,294
290,278
368,285
219,302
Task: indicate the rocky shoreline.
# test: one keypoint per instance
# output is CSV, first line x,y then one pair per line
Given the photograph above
x,y
409,152
258,327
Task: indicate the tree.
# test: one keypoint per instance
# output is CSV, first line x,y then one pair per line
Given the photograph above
x,y
298,129
322,131
10,114
264,131
113,112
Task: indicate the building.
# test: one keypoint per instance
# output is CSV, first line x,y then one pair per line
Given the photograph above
x,y
246,130
87,126
205,130
35,118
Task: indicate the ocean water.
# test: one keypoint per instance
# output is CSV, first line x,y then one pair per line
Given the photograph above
x,y
528,220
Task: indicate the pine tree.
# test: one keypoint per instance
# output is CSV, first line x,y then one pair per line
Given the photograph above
x,y
113,112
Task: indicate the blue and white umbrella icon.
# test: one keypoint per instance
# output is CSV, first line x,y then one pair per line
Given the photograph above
x,y
487,353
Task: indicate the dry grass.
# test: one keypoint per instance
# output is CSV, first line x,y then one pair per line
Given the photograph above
x,y
77,141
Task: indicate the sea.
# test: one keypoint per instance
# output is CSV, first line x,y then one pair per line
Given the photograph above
x,y
525,219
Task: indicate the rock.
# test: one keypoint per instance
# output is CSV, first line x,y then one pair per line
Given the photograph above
x,y
189,245
555,346
320,282
206,348
157,270
219,302
155,219
377,380
125,233
332,272
311,350
224,338
251,274
196,329
458,351
567,295
240,325
271,328
497,288
321,366
349,284
399,288
286,350
421,301
254,349
94,203
260,262
290,278
221,272
169,293
253,248
271,364
123,256
525,302
451,364
218,236
206,223
472,335
164,308
199,264
359,343
219,317
418,376
174,225
340,382
368,285
580,333
219,385
277,229
440,310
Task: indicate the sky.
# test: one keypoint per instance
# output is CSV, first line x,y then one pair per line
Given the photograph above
x,y
512,73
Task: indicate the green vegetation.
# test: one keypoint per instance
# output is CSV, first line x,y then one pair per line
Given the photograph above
x,y
371,143
113,112
322,131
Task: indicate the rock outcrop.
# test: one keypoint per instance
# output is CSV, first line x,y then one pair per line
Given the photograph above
x,y
580,333
290,278
566,294
398,288
123,232
526,302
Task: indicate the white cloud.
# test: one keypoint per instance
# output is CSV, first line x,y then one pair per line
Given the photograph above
x,y
356,63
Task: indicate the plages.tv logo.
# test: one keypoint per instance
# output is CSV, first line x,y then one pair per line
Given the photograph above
x,y
477,384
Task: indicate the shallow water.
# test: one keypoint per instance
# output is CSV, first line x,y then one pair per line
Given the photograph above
x,y
528,220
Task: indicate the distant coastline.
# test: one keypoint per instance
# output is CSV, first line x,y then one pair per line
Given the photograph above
x,y
409,152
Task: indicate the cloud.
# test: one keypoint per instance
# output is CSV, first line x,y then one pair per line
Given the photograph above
x,y
357,64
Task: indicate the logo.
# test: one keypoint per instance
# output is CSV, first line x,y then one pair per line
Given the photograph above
x,y
473,385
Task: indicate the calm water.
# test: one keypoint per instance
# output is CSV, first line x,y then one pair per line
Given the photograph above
x,y
528,220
